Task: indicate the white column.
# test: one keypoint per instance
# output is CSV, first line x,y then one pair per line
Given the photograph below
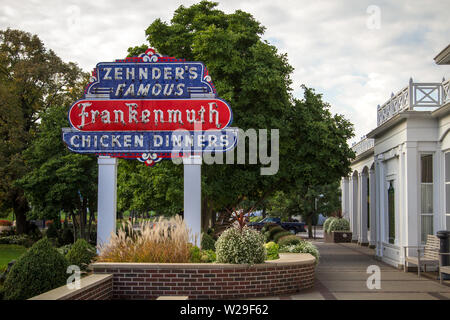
x,y
344,198
107,198
372,212
412,195
354,220
380,204
193,197
362,237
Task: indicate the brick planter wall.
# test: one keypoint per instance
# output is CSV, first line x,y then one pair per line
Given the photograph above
x,y
287,275
93,287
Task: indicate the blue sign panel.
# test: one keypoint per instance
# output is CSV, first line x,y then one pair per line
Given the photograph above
x,y
138,142
150,76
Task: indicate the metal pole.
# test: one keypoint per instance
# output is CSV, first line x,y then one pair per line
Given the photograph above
x,y
193,197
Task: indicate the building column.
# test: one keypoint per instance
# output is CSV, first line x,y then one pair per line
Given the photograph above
x,y
362,237
107,199
344,198
412,195
372,212
193,197
380,204
354,212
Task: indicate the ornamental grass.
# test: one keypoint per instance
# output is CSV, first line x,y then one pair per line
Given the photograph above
x,y
162,241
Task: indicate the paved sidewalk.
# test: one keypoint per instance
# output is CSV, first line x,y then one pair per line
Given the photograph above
x,y
342,275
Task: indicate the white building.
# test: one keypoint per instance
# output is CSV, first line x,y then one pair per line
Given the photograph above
x,y
399,188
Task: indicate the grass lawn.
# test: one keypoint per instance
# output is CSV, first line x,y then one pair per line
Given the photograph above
x,y
10,252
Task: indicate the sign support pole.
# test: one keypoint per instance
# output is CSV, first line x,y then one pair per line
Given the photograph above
x,y
107,198
193,197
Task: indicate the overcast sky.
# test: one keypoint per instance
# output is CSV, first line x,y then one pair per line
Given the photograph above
x,y
354,52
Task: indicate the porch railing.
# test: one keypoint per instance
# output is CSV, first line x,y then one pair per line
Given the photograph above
x,y
415,96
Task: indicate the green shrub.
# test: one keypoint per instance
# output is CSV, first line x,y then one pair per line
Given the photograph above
x,y
81,254
268,226
289,240
52,231
273,231
22,240
327,222
66,236
40,269
302,247
195,254
64,249
272,250
201,256
240,247
207,256
280,235
208,243
339,225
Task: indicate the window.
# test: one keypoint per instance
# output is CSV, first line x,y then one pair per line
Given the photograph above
x,y
447,190
391,211
426,190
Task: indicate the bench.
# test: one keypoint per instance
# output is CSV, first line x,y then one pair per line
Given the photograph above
x,y
430,254
443,269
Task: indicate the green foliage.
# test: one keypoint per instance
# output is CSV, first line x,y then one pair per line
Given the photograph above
x,y
22,240
40,269
339,225
273,231
64,249
256,219
52,231
208,256
289,240
272,250
326,224
32,79
208,243
195,254
280,235
246,247
66,236
81,254
268,226
302,247
201,256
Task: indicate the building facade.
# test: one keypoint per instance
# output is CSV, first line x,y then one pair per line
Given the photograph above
x,y
399,189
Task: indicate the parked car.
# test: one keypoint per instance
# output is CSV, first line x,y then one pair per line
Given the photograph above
x,y
294,227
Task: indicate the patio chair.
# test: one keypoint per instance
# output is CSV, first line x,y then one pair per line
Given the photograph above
x,y
443,269
430,254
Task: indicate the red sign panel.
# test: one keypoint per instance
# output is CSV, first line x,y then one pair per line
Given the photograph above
x,y
149,115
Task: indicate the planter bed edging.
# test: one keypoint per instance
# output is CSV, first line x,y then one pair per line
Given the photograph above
x,y
287,275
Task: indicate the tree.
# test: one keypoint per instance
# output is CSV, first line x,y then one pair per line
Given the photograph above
x,y
323,199
32,79
247,72
255,79
57,179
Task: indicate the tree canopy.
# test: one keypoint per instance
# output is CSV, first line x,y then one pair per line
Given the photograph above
x,y
254,78
32,79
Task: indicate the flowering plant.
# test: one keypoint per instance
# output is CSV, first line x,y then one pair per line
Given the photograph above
x,y
240,246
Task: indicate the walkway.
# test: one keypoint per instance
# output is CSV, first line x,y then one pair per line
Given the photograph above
x,y
342,275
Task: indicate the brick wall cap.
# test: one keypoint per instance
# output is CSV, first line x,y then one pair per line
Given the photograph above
x,y
286,259
64,293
